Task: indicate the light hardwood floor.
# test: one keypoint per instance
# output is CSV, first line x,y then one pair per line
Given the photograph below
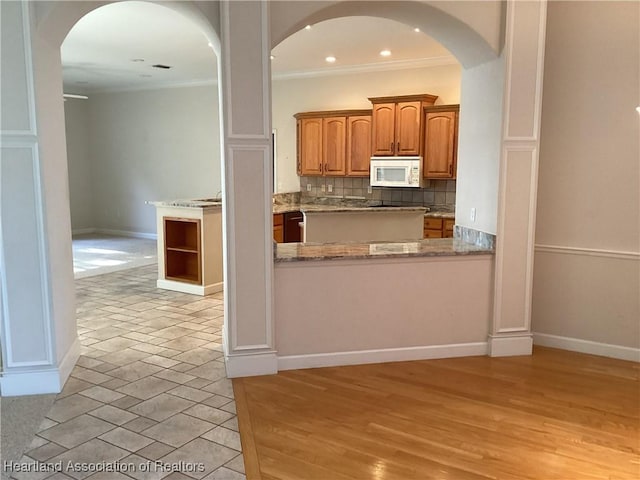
x,y
553,415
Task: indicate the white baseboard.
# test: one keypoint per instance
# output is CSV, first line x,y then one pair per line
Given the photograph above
x,y
361,357
587,346
126,233
83,231
510,345
69,361
190,287
40,381
251,364
213,288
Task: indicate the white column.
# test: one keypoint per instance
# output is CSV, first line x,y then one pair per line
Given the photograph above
x,y
524,51
246,111
38,353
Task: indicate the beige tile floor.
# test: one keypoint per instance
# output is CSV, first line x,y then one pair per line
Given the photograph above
x,y
150,386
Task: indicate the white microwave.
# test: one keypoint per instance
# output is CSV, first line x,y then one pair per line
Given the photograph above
x,y
396,172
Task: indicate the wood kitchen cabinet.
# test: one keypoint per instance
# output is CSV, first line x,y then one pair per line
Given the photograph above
x,y
396,128
278,227
286,227
358,145
310,146
334,143
334,132
438,227
440,141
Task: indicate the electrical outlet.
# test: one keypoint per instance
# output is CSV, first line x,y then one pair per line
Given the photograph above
x,y
472,216
330,188
369,189
322,188
308,187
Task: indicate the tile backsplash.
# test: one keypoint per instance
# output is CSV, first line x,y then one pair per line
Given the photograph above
x,y
436,192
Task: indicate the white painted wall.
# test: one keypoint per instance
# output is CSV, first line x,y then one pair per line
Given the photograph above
x,y
142,146
589,182
479,144
348,91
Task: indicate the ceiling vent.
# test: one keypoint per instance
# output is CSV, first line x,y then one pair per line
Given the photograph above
x,y
159,65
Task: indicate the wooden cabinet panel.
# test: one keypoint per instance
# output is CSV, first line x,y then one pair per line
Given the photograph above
x,y
310,149
358,145
439,144
334,143
278,227
448,228
438,227
407,128
440,141
383,129
397,124
334,146
433,223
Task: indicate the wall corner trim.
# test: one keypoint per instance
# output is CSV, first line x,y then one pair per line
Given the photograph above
x,y
510,345
251,364
587,346
40,381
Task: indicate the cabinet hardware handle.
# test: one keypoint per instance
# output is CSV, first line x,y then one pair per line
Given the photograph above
x,y
398,147
450,169
391,148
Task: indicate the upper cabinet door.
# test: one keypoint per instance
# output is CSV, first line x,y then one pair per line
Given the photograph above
x,y
407,130
383,128
334,145
358,146
310,144
440,145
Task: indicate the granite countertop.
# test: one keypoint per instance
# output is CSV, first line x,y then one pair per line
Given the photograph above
x,y
315,207
435,247
190,203
440,214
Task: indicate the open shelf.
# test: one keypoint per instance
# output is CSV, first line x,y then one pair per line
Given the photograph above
x,y
182,250
182,234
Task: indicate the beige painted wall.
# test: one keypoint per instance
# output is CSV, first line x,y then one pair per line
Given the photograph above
x,y
142,146
349,305
373,226
76,113
291,96
589,179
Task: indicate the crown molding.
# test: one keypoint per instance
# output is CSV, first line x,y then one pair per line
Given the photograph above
x,y
324,72
156,86
369,67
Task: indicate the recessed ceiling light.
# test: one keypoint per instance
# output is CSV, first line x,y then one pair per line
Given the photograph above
x,y
638,109
137,59
417,30
210,45
330,59
385,53
308,27
272,57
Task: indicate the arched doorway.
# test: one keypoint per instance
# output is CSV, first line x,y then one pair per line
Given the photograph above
x,y
44,344
39,337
